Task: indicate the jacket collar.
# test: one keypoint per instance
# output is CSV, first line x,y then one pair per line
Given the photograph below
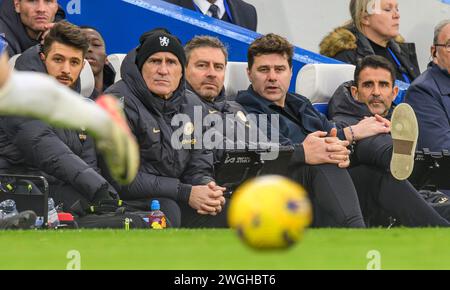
x,y
204,5
365,48
250,98
253,99
218,104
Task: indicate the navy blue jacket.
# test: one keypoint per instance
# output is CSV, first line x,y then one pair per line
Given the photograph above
x,y
290,133
429,95
243,14
15,32
63,156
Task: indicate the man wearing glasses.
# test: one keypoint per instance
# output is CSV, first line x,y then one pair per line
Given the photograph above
x,y
429,94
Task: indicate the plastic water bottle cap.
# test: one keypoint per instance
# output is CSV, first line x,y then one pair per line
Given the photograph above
x,y
155,205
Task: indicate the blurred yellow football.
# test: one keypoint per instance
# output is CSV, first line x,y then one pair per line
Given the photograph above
x,y
270,212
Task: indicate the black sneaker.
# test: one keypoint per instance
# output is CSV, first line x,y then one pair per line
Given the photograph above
x,y
24,220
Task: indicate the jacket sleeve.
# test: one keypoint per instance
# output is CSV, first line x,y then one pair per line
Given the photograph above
x,y
433,120
147,186
43,149
200,170
327,125
298,157
89,155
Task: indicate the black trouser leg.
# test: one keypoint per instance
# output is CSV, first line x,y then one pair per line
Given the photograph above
x,y
379,189
191,219
374,151
334,198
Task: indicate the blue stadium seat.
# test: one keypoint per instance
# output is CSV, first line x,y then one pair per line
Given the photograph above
x,y
322,107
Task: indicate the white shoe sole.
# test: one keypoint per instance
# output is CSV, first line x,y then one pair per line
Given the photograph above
x,y
405,132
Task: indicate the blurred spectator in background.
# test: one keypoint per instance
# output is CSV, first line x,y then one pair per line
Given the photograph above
x,y
24,22
233,11
104,73
374,29
429,95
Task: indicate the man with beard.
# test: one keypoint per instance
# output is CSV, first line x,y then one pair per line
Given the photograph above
x,y
67,158
371,93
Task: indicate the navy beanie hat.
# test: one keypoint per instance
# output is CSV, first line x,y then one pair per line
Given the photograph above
x,y
159,40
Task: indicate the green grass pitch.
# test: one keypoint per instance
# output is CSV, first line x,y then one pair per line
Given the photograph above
x,y
222,250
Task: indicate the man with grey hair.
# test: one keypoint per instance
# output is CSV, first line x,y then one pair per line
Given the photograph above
x,y
180,177
429,94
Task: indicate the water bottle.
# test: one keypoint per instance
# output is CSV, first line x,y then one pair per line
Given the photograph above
x,y
156,218
8,209
53,221
39,222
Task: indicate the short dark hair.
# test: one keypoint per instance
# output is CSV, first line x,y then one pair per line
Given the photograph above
x,y
68,34
374,61
269,44
204,41
88,27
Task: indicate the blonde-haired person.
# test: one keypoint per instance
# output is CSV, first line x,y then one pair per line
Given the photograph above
x,y
373,30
